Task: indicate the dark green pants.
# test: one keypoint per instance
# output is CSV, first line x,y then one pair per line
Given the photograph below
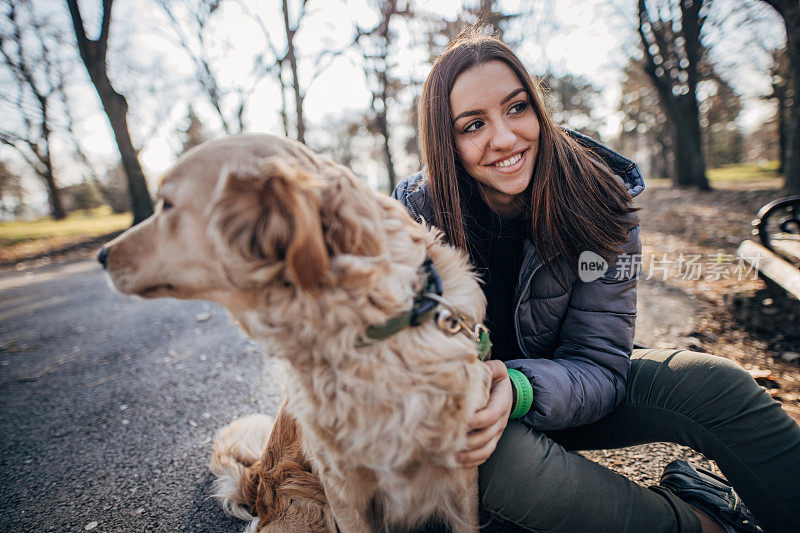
x,y
708,403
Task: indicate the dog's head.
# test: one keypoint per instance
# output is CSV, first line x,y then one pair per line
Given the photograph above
x,y
241,214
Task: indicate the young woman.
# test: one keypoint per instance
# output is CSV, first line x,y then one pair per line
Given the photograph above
x,y
526,199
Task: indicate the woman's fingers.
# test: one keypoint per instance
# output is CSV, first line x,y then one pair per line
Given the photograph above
x,y
479,438
487,424
499,370
485,441
499,404
487,416
481,443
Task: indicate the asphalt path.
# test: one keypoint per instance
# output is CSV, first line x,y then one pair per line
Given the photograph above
x,y
109,404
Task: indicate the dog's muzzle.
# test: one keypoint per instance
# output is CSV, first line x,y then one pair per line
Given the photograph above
x,y
102,256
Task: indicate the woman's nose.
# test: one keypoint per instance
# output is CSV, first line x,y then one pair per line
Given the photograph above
x,y
504,137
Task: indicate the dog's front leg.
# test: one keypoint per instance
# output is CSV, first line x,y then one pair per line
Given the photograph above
x,y
349,518
466,507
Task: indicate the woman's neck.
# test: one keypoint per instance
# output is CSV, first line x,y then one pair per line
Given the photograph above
x,y
502,204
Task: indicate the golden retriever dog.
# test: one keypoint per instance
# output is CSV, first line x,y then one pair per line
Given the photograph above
x,y
306,259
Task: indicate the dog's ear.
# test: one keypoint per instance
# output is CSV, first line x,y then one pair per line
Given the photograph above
x,y
270,216
350,215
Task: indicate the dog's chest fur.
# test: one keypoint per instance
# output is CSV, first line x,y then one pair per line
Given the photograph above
x,y
384,422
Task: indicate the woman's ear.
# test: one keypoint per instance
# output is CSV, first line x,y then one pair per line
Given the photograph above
x,y
268,217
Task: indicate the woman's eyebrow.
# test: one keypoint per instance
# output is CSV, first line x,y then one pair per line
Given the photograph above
x,y
472,112
512,94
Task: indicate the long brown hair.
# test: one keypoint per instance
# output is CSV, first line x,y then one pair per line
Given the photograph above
x,y
576,203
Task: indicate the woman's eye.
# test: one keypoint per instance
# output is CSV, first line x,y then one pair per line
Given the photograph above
x,y
518,108
472,126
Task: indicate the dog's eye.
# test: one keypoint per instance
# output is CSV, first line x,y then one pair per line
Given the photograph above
x,y
166,204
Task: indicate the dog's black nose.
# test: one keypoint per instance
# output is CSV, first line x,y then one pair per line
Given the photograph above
x,y
102,256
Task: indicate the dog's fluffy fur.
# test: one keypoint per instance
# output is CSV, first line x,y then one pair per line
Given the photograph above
x,y
306,257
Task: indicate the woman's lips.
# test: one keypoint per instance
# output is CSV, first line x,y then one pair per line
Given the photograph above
x,y
510,169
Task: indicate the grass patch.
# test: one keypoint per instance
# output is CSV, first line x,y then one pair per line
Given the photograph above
x,y
742,172
18,239
91,223
737,172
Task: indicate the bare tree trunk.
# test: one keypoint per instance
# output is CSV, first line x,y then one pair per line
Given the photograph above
x,y
54,198
783,134
690,167
779,72
660,159
53,192
290,55
792,156
383,77
284,105
40,161
383,125
666,68
791,15
116,108
93,54
790,11
42,153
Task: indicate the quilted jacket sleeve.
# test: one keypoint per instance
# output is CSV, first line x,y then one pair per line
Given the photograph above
x,y
587,375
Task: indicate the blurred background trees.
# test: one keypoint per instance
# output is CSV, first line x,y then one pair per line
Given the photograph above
x,y
12,195
789,11
573,102
675,94
378,49
33,93
670,31
644,125
783,95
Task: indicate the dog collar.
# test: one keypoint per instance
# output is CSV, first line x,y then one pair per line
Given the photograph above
x,y
424,307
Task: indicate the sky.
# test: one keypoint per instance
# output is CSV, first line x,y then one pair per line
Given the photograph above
x,y
592,38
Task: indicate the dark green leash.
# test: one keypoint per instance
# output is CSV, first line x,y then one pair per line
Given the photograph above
x,y
425,305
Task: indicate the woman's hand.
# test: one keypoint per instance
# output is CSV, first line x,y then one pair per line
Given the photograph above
x,y
487,424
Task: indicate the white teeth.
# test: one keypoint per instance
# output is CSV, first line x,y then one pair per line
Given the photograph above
x,y
510,161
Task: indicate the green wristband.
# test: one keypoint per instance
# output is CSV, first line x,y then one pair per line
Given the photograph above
x,y
523,393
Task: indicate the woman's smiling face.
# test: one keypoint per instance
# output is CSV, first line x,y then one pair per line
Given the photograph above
x,y
496,133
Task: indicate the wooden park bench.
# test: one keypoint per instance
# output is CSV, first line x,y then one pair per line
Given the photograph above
x,y
776,255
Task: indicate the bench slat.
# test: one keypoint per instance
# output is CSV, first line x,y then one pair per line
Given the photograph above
x,y
787,245
771,265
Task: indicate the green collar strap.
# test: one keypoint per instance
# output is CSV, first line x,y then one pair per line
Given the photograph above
x,y
425,306
484,344
422,309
